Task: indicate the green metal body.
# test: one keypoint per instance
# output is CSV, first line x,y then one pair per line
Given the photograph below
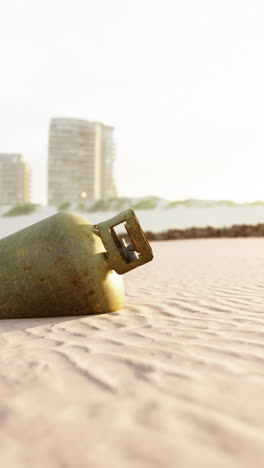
x,y
57,267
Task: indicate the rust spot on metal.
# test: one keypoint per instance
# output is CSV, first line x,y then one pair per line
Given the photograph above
x,y
59,259
75,282
78,279
87,296
121,257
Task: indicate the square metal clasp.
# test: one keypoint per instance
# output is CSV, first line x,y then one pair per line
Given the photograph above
x,y
121,257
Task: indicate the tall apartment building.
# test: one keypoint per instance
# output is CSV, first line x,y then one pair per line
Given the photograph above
x,y
14,180
81,157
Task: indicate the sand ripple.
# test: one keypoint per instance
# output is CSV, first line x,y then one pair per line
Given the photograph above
x,y
175,379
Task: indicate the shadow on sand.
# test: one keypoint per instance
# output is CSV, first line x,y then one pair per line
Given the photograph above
x,y
10,325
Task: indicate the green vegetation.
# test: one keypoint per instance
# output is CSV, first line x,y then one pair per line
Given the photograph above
x,y
201,203
146,204
100,205
254,203
111,204
64,206
225,202
123,203
19,210
82,207
175,203
118,204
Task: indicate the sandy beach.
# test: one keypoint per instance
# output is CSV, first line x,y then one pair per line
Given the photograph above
x,y
176,378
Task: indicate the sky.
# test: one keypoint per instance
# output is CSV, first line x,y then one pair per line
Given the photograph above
x,y
182,81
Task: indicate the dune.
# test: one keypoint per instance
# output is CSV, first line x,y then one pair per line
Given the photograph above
x,y
175,379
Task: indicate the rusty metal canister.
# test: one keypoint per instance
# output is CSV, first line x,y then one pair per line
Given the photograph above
x,y
64,265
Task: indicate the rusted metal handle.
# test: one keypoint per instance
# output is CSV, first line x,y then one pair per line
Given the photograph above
x,y
121,257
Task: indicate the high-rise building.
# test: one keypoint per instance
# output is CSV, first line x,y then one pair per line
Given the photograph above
x,y
81,157
14,180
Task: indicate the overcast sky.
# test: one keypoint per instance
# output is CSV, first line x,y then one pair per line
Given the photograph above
x,y
181,80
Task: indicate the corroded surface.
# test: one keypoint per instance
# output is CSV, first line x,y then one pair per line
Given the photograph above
x,y
136,236
57,267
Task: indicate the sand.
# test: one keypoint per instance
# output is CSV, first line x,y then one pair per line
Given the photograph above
x,y
175,379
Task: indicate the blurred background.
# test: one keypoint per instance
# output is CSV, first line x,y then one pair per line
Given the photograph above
x,y
145,100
